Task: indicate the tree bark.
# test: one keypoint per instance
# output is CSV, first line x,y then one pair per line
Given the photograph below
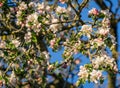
x,y
111,81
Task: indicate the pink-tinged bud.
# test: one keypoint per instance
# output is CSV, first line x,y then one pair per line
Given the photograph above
x,y
94,11
62,1
1,4
77,61
52,43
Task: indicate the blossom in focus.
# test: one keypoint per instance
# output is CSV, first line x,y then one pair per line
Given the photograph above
x,y
104,61
95,76
98,61
94,11
83,73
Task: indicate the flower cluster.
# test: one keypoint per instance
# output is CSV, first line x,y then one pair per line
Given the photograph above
x,y
88,75
105,62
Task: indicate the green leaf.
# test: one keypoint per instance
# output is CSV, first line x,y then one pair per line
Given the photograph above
x,y
5,53
40,18
1,77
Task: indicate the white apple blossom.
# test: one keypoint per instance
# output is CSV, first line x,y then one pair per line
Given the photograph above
x,y
16,42
83,73
106,22
22,6
60,9
97,41
55,26
86,28
32,21
104,61
95,75
40,7
103,31
98,61
109,61
106,13
33,17
19,13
